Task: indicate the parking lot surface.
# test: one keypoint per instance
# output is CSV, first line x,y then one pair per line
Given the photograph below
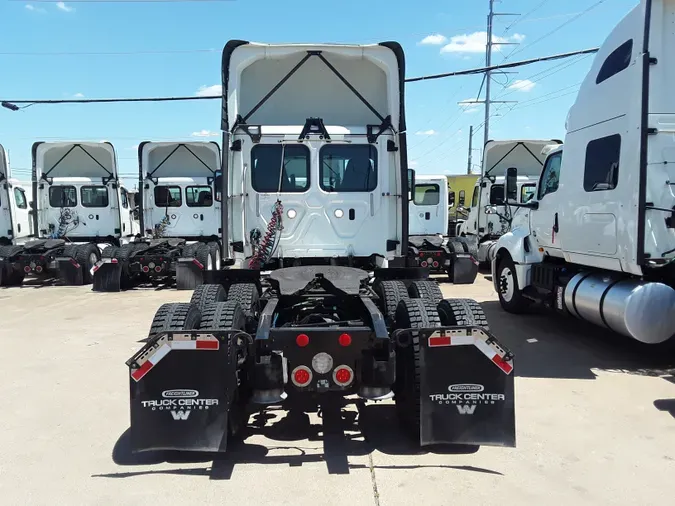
x,y
595,421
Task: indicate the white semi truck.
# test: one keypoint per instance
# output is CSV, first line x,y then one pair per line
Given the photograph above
x,y
79,207
180,217
489,217
428,232
597,241
15,198
320,302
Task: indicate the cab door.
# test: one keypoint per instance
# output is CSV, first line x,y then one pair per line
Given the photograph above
x,y
19,204
425,214
545,220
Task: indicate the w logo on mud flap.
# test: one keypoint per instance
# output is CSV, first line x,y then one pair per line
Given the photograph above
x,y
463,409
182,415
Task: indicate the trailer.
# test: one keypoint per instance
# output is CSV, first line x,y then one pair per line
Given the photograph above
x,y
429,243
179,216
78,208
597,241
321,301
489,217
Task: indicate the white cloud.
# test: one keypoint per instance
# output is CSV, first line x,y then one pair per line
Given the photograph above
x,y
412,164
133,148
205,133
426,132
63,7
31,7
524,85
434,40
78,95
470,105
475,42
209,91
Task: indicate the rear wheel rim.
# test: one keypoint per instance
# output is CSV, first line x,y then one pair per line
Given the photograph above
x,y
92,258
209,263
506,284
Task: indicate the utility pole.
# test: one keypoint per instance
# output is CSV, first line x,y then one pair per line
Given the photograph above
x,y
488,63
469,164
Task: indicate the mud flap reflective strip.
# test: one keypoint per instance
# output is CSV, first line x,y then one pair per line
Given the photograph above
x,y
489,348
147,362
101,263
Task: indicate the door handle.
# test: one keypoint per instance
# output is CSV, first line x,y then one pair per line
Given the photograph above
x,y
201,217
18,227
555,223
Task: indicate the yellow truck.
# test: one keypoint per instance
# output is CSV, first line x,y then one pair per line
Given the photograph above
x,y
460,188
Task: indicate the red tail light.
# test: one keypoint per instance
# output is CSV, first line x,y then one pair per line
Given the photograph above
x,y
345,340
302,340
435,264
38,268
26,269
424,264
301,376
343,375
145,269
158,269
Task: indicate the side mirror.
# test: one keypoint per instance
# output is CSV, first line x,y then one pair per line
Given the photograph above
x,y
511,184
411,183
490,210
32,204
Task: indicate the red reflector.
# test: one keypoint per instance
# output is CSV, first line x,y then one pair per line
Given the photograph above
x,y
113,260
345,340
424,264
438,254
158,269
301,376
435,264
302,340
440,341
198,263
75,264
38,268
503,365
142,371
146,268
26,269
343,375
208,345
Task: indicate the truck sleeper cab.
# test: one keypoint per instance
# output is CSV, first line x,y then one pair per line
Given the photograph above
x,y
180,216
429,244
79,207
316,190
598,241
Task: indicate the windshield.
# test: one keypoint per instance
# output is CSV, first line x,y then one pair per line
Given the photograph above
x,y
348,168
427,195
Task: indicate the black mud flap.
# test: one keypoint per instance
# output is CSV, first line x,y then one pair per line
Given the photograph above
x,y
70,271
467,388
107,275
464,268
188,274
182,386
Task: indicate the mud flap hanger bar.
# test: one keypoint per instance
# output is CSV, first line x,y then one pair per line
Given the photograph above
x,y
241,121
155,180
105,179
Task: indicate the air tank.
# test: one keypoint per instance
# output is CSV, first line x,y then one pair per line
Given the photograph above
x,y
639,309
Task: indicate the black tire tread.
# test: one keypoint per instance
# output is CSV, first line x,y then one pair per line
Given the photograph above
x,y
426,289
223,315
208,294
391,292
462,312
246,294
412,313
175,316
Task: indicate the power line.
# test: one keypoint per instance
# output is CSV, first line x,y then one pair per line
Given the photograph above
x,y
11,104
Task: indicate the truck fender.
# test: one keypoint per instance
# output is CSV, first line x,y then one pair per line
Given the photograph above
x,y
518,245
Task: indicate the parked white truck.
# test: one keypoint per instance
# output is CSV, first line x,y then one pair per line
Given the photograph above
x,y
489,217
180,216
428,232
79,206
15,198
598,239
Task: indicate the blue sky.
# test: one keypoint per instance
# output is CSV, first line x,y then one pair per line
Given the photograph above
x,y
174,49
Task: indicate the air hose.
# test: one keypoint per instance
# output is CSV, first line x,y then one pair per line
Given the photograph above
x,y
263,251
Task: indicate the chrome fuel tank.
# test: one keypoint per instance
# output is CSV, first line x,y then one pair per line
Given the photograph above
x,y
639,309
